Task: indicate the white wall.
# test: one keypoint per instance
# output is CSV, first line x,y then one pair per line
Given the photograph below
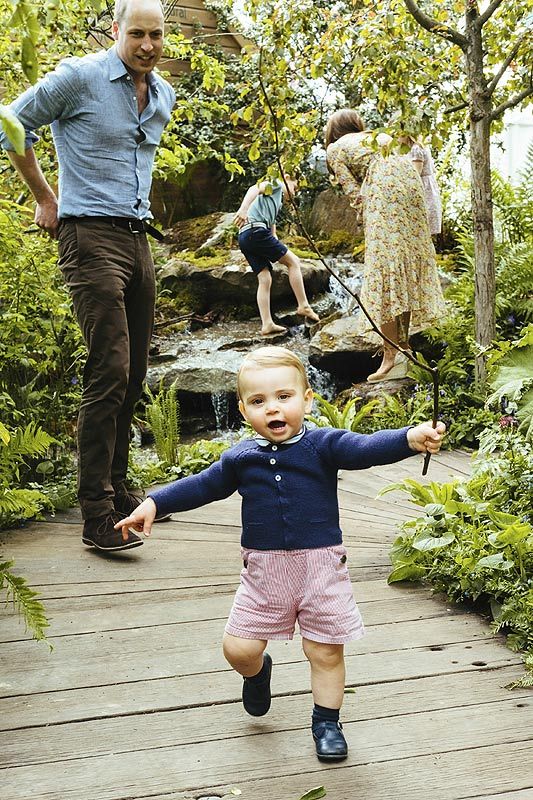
x,y
509,148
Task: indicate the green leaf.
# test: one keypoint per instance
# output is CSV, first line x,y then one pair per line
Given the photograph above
x,y
514,534
502,520
495,561
254,152
29,59
314,794
425,541
4,434
407,572
434,510
515,372
13,129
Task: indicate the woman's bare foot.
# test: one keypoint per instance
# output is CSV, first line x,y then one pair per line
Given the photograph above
x,y
308,313
270,329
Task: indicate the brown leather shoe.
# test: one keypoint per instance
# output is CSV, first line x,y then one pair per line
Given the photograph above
x,y
127,502
99,532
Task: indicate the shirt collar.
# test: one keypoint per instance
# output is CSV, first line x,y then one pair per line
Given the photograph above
x,y
266,442
117,69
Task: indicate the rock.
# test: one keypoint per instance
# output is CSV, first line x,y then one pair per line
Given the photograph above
x,y
234,283
205,364
333,212
195,232
219,233
339,349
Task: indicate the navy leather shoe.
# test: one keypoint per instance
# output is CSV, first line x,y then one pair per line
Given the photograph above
x,y
329,741
256,697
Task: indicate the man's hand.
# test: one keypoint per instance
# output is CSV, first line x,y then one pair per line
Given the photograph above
x,y
424,438
141,520
30,171
46,216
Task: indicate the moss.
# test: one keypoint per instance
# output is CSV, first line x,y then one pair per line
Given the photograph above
x,y
192,232
208,258
338,242
183,300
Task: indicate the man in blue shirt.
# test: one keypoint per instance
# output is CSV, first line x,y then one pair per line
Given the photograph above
x,y
107,111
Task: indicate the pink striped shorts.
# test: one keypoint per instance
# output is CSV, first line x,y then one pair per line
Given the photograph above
x,y
280,587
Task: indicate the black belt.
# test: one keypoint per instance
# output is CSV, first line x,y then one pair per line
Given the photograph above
x,y
131,224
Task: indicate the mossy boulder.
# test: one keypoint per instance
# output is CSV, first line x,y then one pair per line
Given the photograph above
x,y
225,282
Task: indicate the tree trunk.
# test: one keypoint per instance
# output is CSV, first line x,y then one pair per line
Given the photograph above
x,y
485,283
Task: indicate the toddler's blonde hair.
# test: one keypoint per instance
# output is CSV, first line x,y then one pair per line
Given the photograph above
x,y
271,356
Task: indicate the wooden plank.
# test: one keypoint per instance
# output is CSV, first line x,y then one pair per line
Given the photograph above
x,y
118,612
192,4
221,685
148,767
476,772
192,648
191,726
519,794
189,15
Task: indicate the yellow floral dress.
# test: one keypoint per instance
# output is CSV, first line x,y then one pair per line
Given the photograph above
x,y
400,266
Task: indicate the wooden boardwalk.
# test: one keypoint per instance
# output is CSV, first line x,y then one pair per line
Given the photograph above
x,y
137,702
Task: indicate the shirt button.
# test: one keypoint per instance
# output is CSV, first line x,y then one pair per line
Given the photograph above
x,y
278,477
274,447
128,78
272,460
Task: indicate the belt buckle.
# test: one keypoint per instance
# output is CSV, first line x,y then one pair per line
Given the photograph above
x,y
135,226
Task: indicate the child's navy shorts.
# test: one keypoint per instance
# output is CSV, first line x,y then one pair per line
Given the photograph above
x,y
261,248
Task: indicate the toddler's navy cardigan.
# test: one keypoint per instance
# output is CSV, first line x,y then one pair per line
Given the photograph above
x,y
289,492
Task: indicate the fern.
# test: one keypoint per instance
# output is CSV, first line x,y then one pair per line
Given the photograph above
x,y
24,600
346,418
19,503
163,417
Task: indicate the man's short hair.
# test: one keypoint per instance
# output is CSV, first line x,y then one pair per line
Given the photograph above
x,y
121,9
271,356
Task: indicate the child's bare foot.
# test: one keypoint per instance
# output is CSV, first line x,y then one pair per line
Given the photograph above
x,y
270,329
308,313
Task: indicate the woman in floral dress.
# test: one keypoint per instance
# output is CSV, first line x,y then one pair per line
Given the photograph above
x,y
401,287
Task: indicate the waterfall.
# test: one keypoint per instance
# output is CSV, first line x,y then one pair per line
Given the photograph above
x,y
322,383
351,277
220,403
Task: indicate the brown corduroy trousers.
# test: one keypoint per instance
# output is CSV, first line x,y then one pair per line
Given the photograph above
x,y
109,272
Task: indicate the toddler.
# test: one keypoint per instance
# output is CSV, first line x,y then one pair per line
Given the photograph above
x,y
294,562
256,220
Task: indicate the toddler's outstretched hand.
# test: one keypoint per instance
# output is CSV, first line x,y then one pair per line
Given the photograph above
x,y
141,520
424,438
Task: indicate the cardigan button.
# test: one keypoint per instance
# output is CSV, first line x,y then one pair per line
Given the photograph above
x,y
278,477
272,460
274,447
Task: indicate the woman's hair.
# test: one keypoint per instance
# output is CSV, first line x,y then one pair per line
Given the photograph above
x,y
408,138
342,122
265,357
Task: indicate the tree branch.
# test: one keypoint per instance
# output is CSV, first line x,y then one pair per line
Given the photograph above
x,y
434,26
497,77
487,14
511,103
458,107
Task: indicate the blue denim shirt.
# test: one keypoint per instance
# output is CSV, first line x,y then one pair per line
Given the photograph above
x,y
105,150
